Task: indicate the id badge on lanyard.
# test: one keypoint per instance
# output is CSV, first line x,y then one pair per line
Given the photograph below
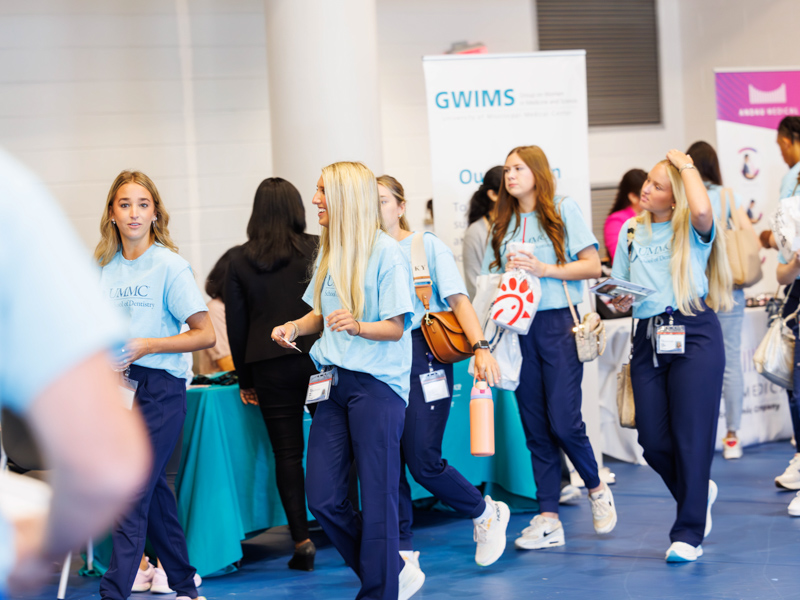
x,y
127,389
670,339
319,385
434,383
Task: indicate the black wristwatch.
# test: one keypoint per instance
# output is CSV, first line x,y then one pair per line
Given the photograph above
x,y
481,345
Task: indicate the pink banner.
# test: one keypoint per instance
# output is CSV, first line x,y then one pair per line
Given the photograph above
x,y
758,98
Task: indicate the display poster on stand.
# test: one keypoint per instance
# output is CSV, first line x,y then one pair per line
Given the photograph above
x,y
750,105
482,106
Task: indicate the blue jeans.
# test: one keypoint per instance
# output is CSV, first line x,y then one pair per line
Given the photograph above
x,y
733,380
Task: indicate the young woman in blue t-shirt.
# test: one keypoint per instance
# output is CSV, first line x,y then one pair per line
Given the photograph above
x,y
142,274
549,392
360,296
677,375
426,418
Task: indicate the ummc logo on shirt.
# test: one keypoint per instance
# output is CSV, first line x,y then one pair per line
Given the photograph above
x,y
329,288
651,254
132,291
134,295
538,240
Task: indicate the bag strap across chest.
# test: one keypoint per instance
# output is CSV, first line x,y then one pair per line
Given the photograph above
x,y
423,284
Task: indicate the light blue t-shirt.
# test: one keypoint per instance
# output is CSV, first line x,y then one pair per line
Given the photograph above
x,y
444,275
578,237
52,317
158,293
387,294
715,196
650,264
789,182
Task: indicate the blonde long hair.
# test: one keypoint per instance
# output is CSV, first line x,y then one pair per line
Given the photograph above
x,y
354,219
110,240
718,270
396,189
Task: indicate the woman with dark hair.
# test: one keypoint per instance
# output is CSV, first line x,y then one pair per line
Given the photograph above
x,y
707,164
626,206
217,358
480,218
266,279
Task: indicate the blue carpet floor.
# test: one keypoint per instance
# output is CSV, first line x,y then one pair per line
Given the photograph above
x,y
753,551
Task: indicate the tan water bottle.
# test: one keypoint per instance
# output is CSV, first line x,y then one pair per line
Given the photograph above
x,y
481,420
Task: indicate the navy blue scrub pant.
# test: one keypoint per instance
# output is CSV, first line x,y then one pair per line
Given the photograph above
x,y
794,395
677,408
422,448
549,399
362,421
161,398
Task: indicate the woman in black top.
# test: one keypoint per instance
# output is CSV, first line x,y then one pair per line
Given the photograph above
x,y
266,280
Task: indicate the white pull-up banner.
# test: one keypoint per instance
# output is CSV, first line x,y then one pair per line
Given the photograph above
x,y
482,106
750,105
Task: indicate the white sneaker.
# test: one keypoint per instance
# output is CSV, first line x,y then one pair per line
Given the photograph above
x,y
411,577
604,514
543,532
570,495
682,552
161,586
144,579
490,534
794,506
712,497
731,448
790,479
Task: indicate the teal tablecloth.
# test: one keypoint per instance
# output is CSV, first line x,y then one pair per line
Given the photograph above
x,y
226,481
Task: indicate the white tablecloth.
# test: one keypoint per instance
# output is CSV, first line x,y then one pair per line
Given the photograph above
x,y
765,411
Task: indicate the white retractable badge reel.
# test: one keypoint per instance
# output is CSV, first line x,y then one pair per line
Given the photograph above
x,y
127,388
319,385
434,383
671,339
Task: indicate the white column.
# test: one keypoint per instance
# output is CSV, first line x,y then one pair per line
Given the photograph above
x,y
323,89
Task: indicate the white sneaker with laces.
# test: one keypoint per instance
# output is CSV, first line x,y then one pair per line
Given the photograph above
x,y
161,586
731,448
144,579
712,497
490,534
411,577
790,479
570,495
794,506
680,552
604,513
543,532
